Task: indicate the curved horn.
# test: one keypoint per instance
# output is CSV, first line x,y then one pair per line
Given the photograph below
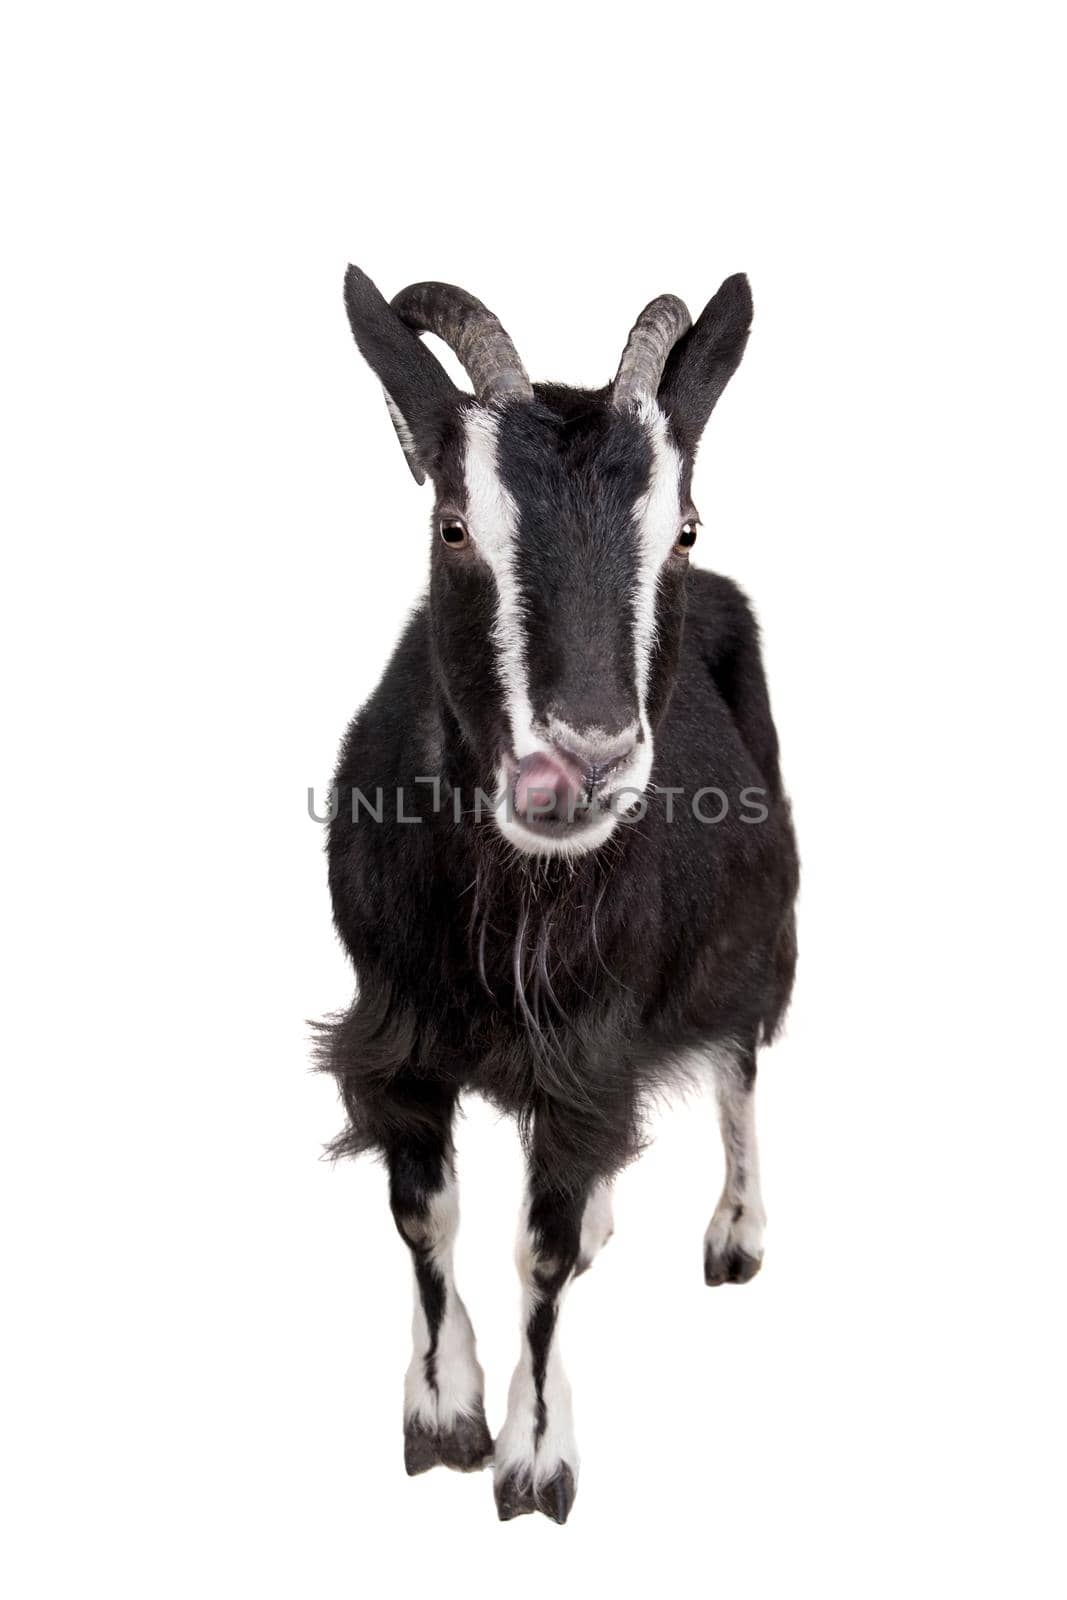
x,y
652,337
471,330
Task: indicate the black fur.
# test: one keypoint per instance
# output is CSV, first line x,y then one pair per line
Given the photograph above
x,y
567,991
576,476
565,987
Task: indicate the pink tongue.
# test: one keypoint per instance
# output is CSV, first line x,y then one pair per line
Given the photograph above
x,y
544,787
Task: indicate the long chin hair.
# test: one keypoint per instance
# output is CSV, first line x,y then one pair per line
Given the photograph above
x,y
539,932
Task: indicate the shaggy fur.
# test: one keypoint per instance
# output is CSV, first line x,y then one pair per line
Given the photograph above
x,y
567,989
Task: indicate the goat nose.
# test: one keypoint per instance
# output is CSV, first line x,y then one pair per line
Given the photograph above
x,y
596,762
547,787
551,785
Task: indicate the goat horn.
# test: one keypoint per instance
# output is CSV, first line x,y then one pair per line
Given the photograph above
x,y
652,338
471,330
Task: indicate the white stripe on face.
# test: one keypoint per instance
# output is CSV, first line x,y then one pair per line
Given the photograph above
x,y
493,521
656,518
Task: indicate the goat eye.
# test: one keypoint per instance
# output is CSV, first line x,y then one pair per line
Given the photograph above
x,y
454,532
687,537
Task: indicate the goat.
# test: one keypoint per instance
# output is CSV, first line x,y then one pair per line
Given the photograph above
x,y
553,914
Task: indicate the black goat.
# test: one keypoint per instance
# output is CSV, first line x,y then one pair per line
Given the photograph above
x,y
560,856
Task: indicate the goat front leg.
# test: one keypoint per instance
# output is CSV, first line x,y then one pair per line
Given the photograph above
x,y
733,1243
598,1225
444,1411
535,1464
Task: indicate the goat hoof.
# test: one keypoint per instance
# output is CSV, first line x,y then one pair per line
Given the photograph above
x,y
514,1495
466,1446
420,1449
556,1497
517,1494
732,1265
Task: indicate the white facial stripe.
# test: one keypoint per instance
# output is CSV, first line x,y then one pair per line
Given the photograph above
x,y
656,520
493,522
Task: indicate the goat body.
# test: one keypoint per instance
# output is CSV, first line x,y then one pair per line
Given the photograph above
x,y
563,968
567,987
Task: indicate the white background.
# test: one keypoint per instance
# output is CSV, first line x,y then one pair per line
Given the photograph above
x,y
211,540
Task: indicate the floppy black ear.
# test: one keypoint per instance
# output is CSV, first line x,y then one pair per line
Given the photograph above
x,y
418,391
704,360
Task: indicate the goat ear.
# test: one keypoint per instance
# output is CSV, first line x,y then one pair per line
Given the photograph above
x,y
705,359
418,391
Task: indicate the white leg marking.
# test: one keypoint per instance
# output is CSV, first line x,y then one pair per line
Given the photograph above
x,y
735,1231
598,1224
438,1392
531,1444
